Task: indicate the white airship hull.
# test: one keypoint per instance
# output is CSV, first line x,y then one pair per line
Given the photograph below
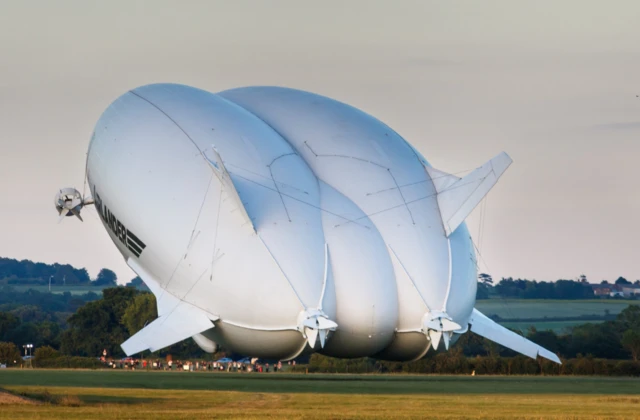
x,y
272,221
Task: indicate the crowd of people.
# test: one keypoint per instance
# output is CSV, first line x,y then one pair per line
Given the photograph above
x,y
254,365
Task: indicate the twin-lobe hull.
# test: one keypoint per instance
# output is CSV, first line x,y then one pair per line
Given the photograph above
x,y
394,199
272,221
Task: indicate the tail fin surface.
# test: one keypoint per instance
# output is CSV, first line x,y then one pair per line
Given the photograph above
x,y
487,328
457,197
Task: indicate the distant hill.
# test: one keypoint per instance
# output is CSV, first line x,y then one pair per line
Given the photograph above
x,y
15,272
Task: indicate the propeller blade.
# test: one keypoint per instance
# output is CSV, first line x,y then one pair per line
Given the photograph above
x,y
326,324
449,325
435,337
77,214
312,336
446,337
323,337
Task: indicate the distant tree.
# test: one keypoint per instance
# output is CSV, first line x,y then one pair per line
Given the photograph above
x,y
631,342
8,322
604,282
50,306
46,352
106,277
48,333
25,333
508,287
485,278
28,272
31,313
569,289
82,275
531,289
546,339
137,283
622,280
98,325
140,312
582,278
599,340
482,292
491,348
637,282
471,344
8,353
629,318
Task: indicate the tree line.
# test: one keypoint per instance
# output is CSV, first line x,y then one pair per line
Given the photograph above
x,y
85,326
455,362
532,289
79,325
27,272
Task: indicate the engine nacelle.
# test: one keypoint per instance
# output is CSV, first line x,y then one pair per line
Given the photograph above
x,y
69,202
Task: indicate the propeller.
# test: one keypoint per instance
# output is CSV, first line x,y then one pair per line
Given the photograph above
x,y
438,325
69,202
314,323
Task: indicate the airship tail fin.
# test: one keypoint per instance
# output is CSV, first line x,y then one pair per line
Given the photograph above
x,y
486,328
177,320
457,197
184,321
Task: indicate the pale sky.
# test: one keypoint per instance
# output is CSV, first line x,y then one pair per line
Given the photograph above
x,y
552,83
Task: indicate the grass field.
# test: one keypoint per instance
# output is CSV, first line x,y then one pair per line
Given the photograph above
x,y
183,395
524,308
557,326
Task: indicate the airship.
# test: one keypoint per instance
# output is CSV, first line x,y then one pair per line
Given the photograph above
x,y
275,222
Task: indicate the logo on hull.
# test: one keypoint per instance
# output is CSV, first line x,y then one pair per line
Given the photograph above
x,y
124,235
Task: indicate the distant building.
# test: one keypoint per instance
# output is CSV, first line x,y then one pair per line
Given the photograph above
x,y
629,290
602,289
613,290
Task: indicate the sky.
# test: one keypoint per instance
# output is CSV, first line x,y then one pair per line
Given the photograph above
x,y
552,83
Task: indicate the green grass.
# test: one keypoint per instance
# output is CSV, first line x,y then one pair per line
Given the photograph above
x,y
70,395
103,404
321,383
549,308
561,327
524,308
